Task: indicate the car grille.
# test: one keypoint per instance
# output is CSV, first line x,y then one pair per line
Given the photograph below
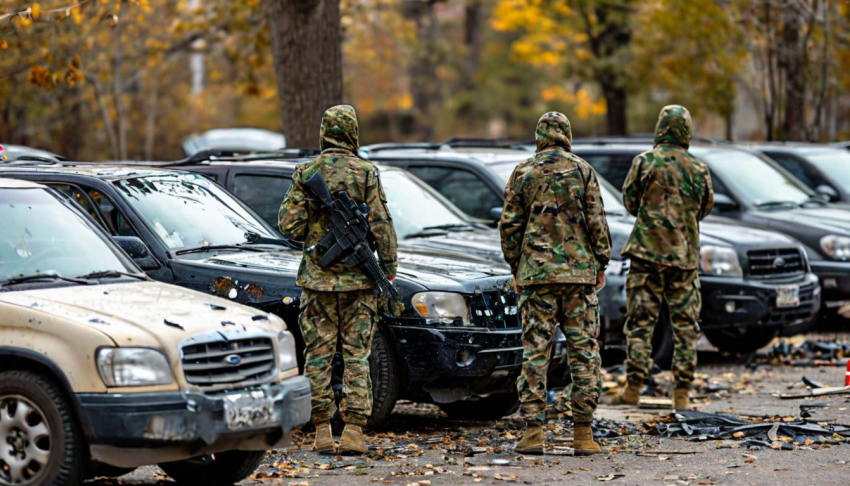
x,y
219,364
776,264
792,314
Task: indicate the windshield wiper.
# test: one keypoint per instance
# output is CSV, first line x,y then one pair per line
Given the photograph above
x,y
453,226
426,233
41,276
256,239
203,248
112,274
773,204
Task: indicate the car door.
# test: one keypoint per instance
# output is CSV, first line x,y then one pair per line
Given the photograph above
x,y
465,188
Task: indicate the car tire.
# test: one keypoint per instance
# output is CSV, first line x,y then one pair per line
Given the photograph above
x,y
386,380
662,341
48,423
227,468
492,407
741,341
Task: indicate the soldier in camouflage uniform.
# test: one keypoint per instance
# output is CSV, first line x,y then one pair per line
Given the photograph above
x,y
338,302
669,191
556,239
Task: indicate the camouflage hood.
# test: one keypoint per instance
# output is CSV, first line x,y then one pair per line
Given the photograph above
x,y
674,126
339,129
553,130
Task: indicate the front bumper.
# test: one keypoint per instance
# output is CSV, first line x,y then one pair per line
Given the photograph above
x,y
449,364
129,430
753,303
834,281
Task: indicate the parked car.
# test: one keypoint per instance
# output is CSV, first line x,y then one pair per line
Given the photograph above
x,y
103,370
9,154
466,358
823,169
236,139
740,311
751,188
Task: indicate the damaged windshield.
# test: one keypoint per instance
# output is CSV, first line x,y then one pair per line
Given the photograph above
x,y
41,236
415,208
188,210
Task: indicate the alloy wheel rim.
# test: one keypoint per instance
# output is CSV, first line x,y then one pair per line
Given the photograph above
x,y
24,441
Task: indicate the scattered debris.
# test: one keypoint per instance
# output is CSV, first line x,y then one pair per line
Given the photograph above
x,y
705,426
817,392
173,324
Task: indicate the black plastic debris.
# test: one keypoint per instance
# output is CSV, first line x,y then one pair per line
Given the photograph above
x,y
710,426
260,317
215,306
173,324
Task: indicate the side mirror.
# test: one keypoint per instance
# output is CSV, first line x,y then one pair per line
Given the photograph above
x,y
722,202
496,213
136,249
827,191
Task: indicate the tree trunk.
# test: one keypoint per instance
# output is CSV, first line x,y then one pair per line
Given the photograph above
x,y
616,98
472,19
424,83
307,47
794,66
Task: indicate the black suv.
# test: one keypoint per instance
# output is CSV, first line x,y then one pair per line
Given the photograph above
x,y
182,228
823,169
740,308
751,188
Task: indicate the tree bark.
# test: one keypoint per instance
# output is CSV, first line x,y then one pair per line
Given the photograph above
x,y
424,83
616,98
793,62
307,47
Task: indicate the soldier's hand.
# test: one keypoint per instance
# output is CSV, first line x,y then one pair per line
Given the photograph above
x,y
517,288
390,277
600,280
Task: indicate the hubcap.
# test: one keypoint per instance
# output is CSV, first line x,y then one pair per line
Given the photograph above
x,y
24,441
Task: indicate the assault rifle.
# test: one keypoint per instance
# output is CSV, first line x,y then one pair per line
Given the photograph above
x,y
348,238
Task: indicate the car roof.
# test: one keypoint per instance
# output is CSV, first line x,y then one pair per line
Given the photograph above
x,y
19,184
95,170
483,154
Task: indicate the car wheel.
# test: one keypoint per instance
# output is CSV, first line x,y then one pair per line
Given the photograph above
x,y
662,341
743,341
223,469
386,380
42,441
492,407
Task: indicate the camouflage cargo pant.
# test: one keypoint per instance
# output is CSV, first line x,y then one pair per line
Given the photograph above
x,y
647,287
576,309
325,318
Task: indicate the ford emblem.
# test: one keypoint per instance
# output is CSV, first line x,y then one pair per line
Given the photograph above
x,y
779,262
233,359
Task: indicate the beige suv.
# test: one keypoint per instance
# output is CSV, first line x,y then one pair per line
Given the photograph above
x,y
103,370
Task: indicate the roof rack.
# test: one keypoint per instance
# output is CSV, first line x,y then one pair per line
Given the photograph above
x,y
379,147
29,159
242,156
639,138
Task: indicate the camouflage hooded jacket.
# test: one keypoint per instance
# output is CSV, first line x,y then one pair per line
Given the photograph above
x,y
669,191
302,219
553,225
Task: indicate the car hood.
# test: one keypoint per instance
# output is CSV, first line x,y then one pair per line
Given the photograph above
x,y
147,314
446,267
829,219
728,232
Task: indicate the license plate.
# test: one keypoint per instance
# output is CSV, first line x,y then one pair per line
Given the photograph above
x,y
248,410
788,296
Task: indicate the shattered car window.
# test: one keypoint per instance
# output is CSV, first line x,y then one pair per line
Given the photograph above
x,y
414,206
42,236
186,210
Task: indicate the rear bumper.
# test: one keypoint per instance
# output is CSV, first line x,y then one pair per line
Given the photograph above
x,y
130,430
753,303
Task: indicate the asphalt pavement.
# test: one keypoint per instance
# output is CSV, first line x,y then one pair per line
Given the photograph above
x,y
423,447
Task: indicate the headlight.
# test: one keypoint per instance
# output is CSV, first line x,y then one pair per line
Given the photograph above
x,y
837,247
133,367
721,262
441,307
287,356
